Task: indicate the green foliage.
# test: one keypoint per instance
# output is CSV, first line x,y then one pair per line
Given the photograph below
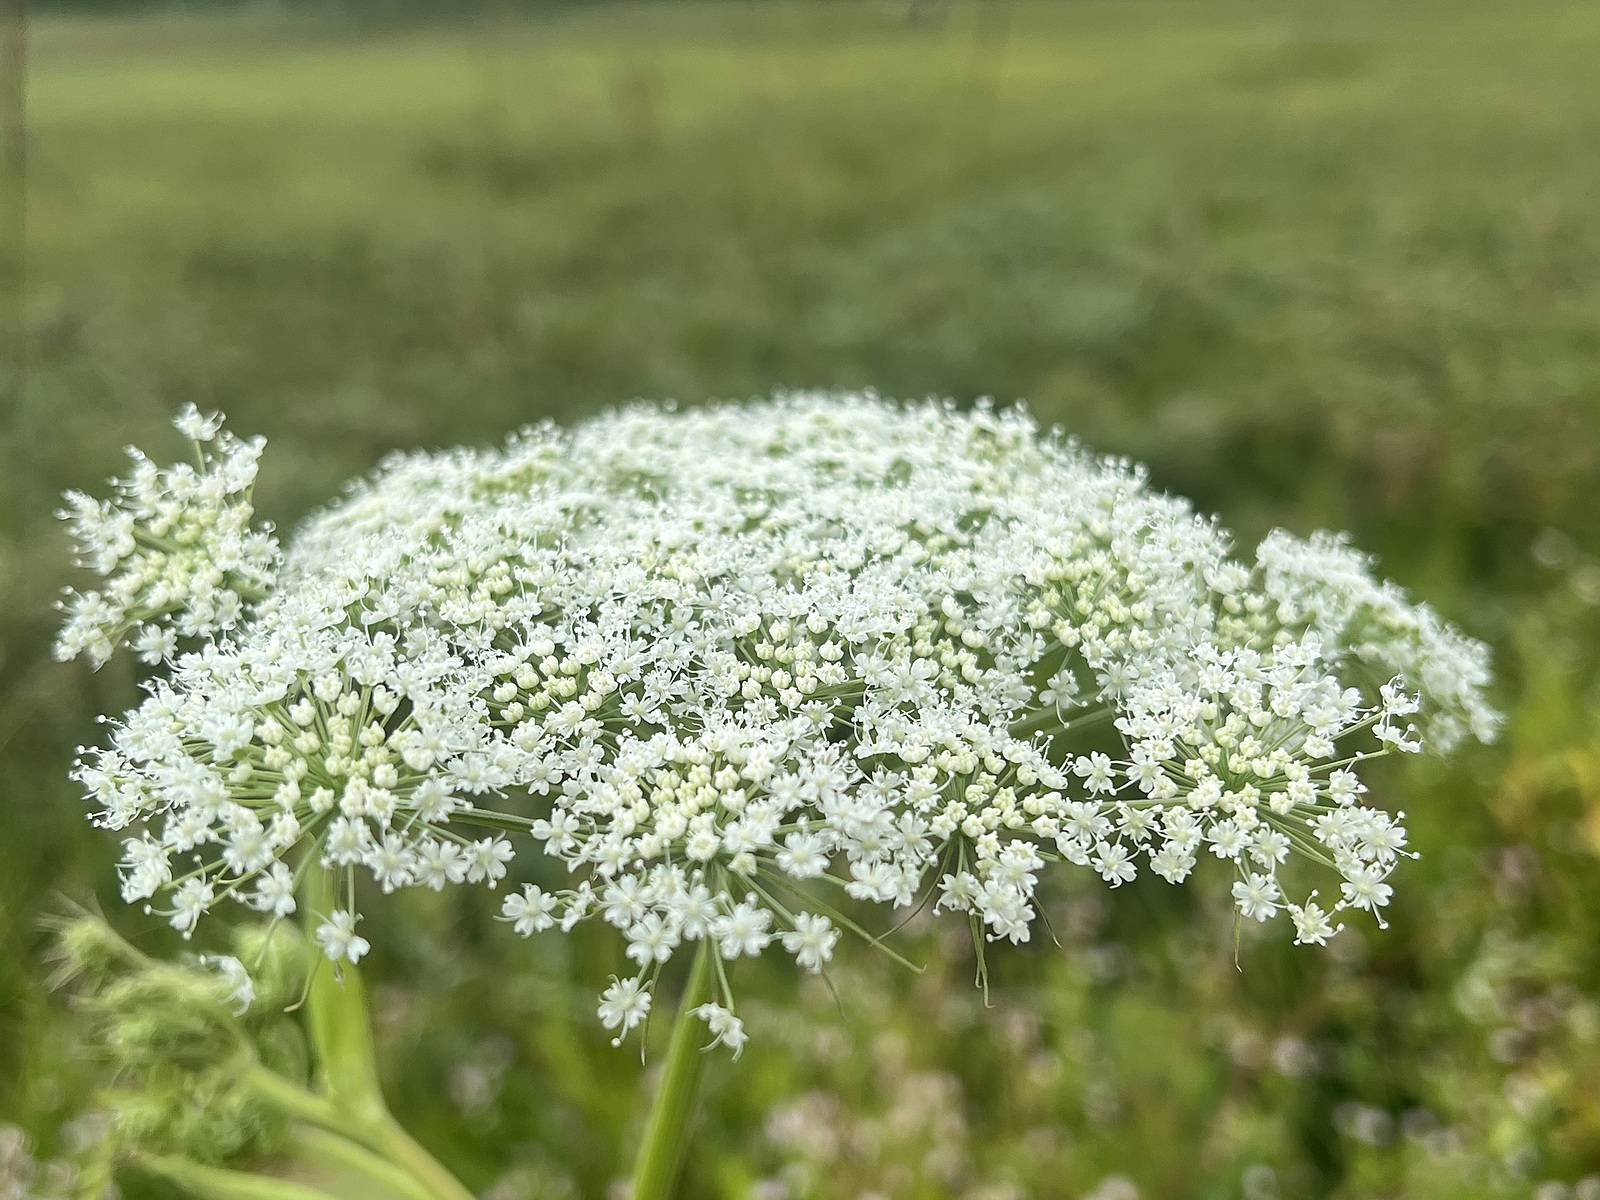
x,y
1317,265
174,1054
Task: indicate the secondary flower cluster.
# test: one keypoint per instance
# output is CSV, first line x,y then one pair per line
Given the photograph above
x,y
731,667
176,548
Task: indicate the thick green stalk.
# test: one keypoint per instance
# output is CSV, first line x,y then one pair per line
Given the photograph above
x,y
306,1106
403,1150
367,1129
666,1133
218,1183
318,1147
341,1037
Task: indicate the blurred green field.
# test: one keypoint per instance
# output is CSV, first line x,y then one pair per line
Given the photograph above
x,y
1317,265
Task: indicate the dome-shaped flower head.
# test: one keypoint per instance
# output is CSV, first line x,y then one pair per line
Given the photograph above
x,y
733,669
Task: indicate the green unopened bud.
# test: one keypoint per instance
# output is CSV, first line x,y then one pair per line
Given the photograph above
x,y
221,1120
209,1117
278,960
88,948
281,1047
138,1119
168,1018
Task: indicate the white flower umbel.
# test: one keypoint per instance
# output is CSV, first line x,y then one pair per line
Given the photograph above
x,y
177,550
727,666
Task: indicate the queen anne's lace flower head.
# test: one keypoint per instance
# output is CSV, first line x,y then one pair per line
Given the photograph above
x,y
176,547
730,667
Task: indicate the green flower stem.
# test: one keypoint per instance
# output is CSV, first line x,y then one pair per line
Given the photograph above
x,y
306,1106
341,1038
375,1135
218,1183
1049,720
369,1133
403,1150
319,1146
655,1171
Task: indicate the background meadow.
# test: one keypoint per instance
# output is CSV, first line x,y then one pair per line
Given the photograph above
x,y
1317,265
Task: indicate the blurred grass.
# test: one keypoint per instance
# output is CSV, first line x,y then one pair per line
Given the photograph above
x,y
1318,265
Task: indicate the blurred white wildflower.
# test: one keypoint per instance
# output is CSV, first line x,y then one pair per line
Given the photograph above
x,y
1114,1187
22,1177
1363,1122
17,1167
1259,1182
719,662
909,1136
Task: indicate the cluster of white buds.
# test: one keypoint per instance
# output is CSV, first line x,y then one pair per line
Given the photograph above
x,y
735,668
